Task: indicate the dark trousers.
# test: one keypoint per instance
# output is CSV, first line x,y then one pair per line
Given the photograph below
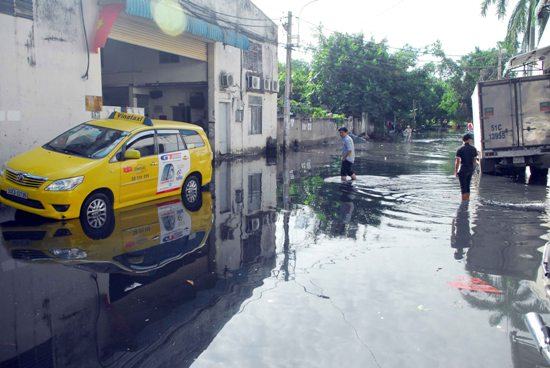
x,y
465,179
346,169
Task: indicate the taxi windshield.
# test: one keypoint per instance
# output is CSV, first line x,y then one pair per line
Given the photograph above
x,y
87,141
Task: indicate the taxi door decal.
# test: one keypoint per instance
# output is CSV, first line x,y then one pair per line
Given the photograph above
x,y
175,222
173,168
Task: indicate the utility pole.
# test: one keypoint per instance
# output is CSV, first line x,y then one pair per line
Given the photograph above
x,y
499,71
288,80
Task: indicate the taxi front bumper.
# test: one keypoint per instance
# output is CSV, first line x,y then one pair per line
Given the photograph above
x,y
56,205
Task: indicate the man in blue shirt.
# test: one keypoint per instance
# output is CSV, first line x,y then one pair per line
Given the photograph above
x,y
348,155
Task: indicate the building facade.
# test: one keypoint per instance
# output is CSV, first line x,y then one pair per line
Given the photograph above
x,y
213,63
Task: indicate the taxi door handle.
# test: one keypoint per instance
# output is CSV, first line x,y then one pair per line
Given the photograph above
x,y
154,164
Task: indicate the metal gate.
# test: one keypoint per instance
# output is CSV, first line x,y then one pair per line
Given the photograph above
x,y
145,33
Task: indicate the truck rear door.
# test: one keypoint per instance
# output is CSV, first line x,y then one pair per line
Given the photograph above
x,y
534,114
498,115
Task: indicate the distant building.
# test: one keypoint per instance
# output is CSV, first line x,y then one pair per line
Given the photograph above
x,y
205,62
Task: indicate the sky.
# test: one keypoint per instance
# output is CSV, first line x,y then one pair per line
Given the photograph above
x,y
458,24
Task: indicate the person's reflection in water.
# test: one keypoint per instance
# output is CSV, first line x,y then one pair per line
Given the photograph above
x,y
345,211
461,238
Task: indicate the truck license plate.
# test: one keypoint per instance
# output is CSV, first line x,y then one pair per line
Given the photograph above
x,y
518,160
17,193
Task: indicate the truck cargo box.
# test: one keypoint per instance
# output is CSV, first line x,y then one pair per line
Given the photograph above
x,y
512,115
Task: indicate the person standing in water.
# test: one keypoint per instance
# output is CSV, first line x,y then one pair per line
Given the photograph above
x,y
408,134
465,163
348,155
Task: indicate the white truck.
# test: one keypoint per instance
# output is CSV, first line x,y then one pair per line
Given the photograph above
x,y
512,125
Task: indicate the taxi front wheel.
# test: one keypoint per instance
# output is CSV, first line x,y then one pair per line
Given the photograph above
x,y
96,212
192,193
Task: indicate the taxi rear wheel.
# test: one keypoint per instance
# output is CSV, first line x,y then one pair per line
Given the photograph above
x,y
96,212
192,193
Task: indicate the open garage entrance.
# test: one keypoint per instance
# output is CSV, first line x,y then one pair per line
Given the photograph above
x,y
154,74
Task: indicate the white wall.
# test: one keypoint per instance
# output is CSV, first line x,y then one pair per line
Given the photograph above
x,y
229,60
125,64
42,92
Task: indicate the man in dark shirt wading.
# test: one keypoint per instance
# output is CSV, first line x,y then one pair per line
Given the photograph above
x,y
466,159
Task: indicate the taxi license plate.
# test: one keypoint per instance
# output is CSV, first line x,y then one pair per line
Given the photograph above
x,y
17,193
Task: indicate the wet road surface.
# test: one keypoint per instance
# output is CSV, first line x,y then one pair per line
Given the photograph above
x,y
283,266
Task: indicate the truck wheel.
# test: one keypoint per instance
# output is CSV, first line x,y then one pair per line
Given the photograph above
x,y
539,176
192,193
489,166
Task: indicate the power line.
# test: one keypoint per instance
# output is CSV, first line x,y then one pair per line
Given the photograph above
x,y
224,14
207,13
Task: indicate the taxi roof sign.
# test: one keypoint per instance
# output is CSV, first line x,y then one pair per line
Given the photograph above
x,y
115,115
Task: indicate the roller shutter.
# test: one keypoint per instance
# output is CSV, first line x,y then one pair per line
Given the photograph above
x,y
145,33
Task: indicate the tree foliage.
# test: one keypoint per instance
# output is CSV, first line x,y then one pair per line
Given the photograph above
x,y
522,23
350,75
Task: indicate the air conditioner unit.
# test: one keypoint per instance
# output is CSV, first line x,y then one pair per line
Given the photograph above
x,y
226,80
254,82
267,84
275,86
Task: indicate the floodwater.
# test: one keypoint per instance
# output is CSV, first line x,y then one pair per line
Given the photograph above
x,y
283,266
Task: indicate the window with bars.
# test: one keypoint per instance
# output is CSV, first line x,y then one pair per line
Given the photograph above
x,y
17,8
253,58
254,192
255,104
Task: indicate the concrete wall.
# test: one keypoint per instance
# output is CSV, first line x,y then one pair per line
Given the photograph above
x,y
308,132
42,92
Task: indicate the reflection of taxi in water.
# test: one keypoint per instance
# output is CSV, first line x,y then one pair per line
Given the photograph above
x,y
109,164
139,239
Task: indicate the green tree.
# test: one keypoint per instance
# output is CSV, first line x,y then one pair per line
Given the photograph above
x,y
352,75
460,78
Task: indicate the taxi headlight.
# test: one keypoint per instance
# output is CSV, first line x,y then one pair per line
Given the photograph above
x,y
3,169
65,184
72,253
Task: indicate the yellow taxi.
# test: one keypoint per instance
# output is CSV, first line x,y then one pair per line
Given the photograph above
x,y
102,165
137,239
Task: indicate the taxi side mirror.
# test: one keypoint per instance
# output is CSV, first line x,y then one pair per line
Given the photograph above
x,y
132,154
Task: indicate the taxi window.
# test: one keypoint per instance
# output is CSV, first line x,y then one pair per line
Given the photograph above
x,y
192,138
87,140
168,142
144,144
